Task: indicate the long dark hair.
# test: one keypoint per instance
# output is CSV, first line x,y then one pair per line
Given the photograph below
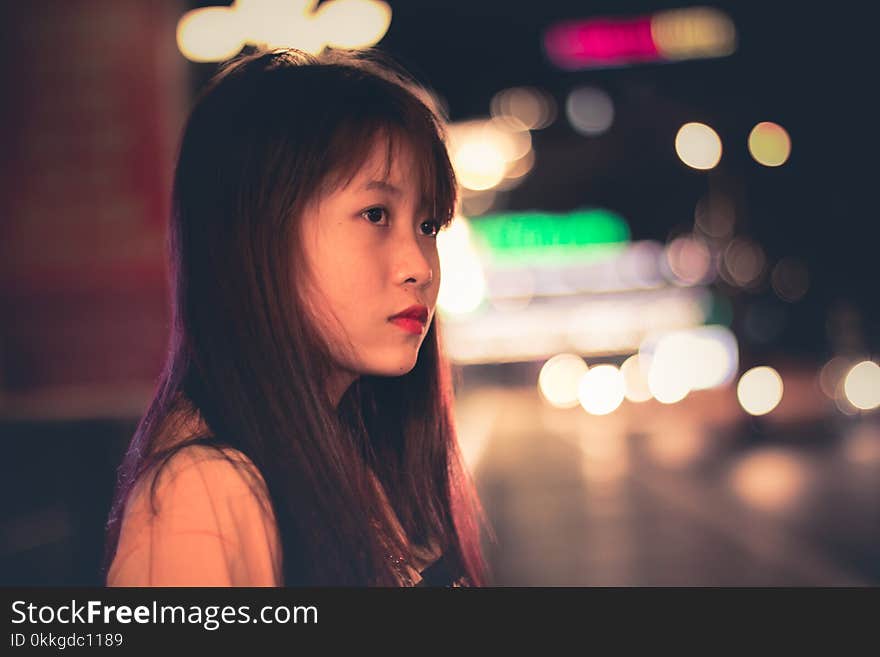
x,y
270,131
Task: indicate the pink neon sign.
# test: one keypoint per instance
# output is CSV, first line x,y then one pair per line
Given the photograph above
x,y
695,32
601,42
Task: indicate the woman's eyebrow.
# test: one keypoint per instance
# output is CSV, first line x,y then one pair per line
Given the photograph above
x,y
384,186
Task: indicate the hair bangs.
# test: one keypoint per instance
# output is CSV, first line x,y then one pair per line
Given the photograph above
x,y
357,138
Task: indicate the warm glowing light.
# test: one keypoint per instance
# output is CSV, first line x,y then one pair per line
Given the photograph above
x,y
610,325
635,379
689,260
769,144
693,32
668,389
601,390
862,386
524,108
759,390
770,479
843,404
699,358
513,144
462,285
516,169
590,325
790,279
353,23
589,110
485,152
479,165
713,357
560,379
211,34
698,146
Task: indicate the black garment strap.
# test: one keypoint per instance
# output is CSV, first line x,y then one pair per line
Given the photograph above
x,y
441,573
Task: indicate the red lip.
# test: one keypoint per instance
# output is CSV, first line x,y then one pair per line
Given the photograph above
x,y
417,312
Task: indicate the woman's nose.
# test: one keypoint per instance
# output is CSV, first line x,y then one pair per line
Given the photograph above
x,y
413,266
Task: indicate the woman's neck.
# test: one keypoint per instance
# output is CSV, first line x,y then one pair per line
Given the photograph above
x,y
339,382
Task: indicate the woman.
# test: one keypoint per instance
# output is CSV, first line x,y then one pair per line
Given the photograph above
x,y
301,432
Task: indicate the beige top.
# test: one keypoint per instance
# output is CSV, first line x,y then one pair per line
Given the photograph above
x,y
210,527
213,526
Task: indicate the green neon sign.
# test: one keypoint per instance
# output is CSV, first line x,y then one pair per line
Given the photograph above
x,y
536,238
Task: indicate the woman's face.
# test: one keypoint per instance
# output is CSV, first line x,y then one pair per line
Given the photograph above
x,y
371,252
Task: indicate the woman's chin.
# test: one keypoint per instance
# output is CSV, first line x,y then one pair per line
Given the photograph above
x,y
395,366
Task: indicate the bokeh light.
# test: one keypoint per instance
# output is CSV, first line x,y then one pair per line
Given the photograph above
x,y
635,379
560,379
516,171
353,23
667,378
689,260
513,144
832,374
601,390
209,34
862,385
485,152
213,34
714,357
462,285
519,168
693,32
743,263
693,359
759,390
698,146
603,41
589,110
790,279
769,144
531,108
479,165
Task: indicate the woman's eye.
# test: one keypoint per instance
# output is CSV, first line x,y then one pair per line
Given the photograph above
x,y
375,215
430,228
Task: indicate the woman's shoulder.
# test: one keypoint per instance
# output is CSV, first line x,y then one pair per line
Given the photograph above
x,y
202,517
199,470
193,458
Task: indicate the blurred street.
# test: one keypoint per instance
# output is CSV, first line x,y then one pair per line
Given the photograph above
x,y
695,495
